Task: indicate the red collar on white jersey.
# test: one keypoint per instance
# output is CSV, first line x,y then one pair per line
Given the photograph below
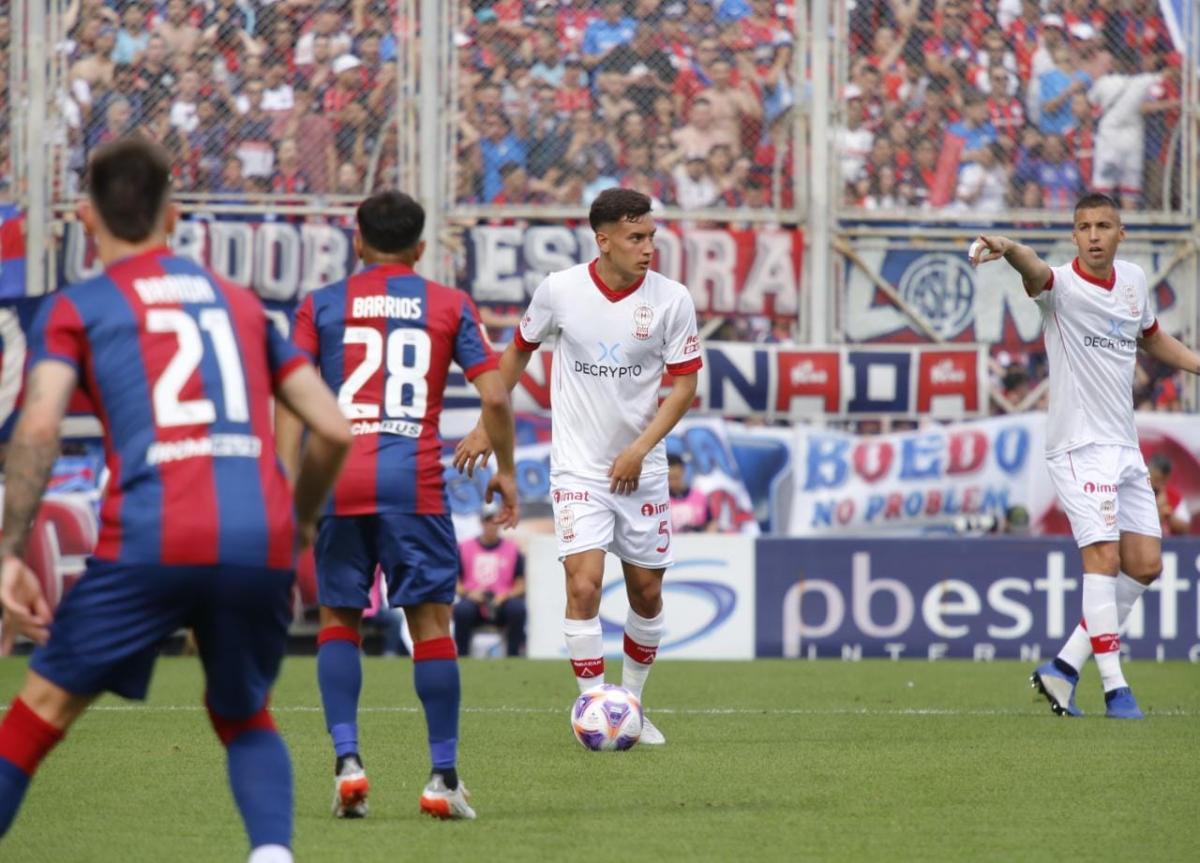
x,y
1107,284
609,294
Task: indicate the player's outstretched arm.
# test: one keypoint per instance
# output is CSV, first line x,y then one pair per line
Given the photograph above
x,y
31,455
1165,348
497,419
476,448
305,394
1035,272
626,471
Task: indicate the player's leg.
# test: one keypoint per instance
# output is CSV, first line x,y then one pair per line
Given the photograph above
x,y
511,615
105,637
346,557
581,627
584,520
420,557
35,722
467,615
241,634
1086,482
642,539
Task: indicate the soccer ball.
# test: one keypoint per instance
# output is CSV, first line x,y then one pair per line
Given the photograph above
x,y
607,718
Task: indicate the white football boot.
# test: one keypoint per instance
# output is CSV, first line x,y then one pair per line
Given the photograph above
x,y
350,788
651,736
440,802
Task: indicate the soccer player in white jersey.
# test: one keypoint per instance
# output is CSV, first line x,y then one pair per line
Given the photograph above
x,y
1096,313
617,326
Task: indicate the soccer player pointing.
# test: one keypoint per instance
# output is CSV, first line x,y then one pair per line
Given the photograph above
x,y
198,527
1096,313
618,327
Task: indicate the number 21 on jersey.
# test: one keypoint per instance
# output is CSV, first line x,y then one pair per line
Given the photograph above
x,y
169,409
405,391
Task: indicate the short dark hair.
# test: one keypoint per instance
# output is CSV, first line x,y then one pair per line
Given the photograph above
x,y
129,180
617,205
390,221
1096,199
1161,463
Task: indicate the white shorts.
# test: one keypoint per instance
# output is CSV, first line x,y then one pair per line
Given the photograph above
x,y
1105,490
634,527
1118,166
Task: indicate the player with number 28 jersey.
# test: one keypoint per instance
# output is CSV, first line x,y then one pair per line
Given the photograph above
x,y
384,340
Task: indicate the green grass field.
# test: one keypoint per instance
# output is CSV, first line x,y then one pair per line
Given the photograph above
x,y
770,760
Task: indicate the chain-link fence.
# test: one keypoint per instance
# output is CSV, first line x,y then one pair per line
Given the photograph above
x,y
691,103
988,107
285,99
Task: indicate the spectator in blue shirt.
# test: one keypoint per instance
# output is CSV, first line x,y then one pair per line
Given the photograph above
x,y
604,34
132,37
1058,175
1055,89
974,128
497,147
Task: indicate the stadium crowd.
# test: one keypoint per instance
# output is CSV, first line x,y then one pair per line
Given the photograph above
x,y
978,106
1007,103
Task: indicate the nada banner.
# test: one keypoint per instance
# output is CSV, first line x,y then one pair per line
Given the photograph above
x,y
981,599
708,596
750,271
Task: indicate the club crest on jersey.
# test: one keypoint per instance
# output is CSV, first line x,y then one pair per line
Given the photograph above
x,y
566,524
643,317
1131,298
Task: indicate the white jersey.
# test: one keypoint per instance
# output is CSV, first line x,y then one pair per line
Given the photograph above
x,y
1091,329
609,357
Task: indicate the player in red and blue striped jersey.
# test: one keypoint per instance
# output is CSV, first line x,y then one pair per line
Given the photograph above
x,y
199,527
384,340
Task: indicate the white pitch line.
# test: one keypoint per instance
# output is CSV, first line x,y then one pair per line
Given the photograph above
x,y
676,711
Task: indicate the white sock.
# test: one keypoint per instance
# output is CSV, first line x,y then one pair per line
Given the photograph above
x,y
585,646
1100,617
642,637
1079,646
271,854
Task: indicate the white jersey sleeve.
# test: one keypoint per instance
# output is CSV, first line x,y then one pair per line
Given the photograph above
x,y
1149,322
682,350
538,322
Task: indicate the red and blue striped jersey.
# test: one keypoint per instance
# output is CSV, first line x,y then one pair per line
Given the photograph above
x,y
180,367
384,340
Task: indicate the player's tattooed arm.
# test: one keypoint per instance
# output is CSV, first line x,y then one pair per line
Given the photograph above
x,y
1035,273
33,450
1167,349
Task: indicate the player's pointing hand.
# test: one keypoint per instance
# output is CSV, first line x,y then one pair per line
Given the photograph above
x,y
986,249
26,611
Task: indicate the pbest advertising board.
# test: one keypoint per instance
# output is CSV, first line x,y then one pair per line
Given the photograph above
x,y
708,596
981,599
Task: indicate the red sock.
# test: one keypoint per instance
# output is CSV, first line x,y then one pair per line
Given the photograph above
x,y
26,738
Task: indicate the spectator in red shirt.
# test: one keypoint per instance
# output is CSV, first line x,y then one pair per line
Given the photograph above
x,y
347,85
515,187
289,178
1004,109
574,94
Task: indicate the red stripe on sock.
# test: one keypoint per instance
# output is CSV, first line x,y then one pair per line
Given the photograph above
x,y
26,738
586,668
339,633
640,653
1106,643
229,730
434,648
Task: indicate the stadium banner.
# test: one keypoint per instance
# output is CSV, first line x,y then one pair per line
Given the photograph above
x,y
919,481
730,271
708,594
775,382
988,304
980,599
